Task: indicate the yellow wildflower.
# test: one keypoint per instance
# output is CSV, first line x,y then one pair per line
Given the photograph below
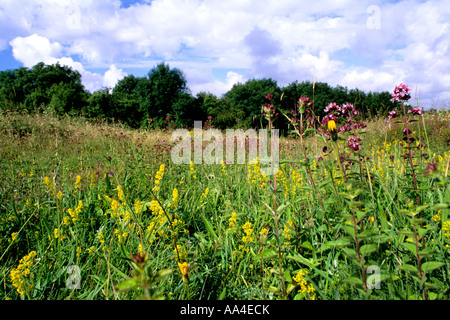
x,y
247,227
184,270
158,177
77,183
232,222
332,129
49,183
20,274
305,288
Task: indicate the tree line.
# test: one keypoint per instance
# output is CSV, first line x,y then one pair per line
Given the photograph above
x,y
162,99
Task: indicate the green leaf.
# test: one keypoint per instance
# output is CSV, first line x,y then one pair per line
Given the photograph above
x,y
354,280
209,228
283,207
223,294
308,188
408,268
162,274
127,284
411,247
365,234
440,206
421,231
431,265
349,229
368,248
338,243
426,252
350,252
418,221
265,254
307,245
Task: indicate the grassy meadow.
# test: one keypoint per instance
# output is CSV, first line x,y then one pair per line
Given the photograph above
x,y
91,210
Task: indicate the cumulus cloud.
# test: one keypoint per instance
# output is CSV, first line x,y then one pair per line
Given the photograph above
x,y
112,76
369,44
215,86
33,49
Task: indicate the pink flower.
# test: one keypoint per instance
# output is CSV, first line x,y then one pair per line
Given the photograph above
x,y
347,109
416,110
303,99
332,107
393,114
269,96
353,143
401,92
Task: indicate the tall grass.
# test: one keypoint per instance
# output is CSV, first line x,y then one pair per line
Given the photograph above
x,y
91,202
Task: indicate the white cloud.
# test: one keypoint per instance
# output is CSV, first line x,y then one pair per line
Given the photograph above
x,y
112,76
218,87
288,40
33,49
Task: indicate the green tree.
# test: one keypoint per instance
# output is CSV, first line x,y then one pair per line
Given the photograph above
x,y
249,98
127,101
100,105
161,90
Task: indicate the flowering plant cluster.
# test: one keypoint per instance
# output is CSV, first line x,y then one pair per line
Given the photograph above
x,y
343,114
402,92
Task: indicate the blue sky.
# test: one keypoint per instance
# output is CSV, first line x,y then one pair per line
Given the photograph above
x,y
372,45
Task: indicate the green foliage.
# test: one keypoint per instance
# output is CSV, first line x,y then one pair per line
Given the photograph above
x,y
226,233
43,86
146,101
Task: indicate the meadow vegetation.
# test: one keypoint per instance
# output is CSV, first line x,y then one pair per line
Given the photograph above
x,y
96,210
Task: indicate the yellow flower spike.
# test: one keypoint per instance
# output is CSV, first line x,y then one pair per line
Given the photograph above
x,y
333,130
184,270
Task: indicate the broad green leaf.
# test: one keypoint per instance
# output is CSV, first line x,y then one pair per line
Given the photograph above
x,y
406,233
223,294
265,254
338,243
426,252
350,252
308,188
128,284
411,247
368,248
418,221
326,183
440,206
290,287
307,245
365,234
349,229
421,231
431,265
283,207
162,274
354,280
408,267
